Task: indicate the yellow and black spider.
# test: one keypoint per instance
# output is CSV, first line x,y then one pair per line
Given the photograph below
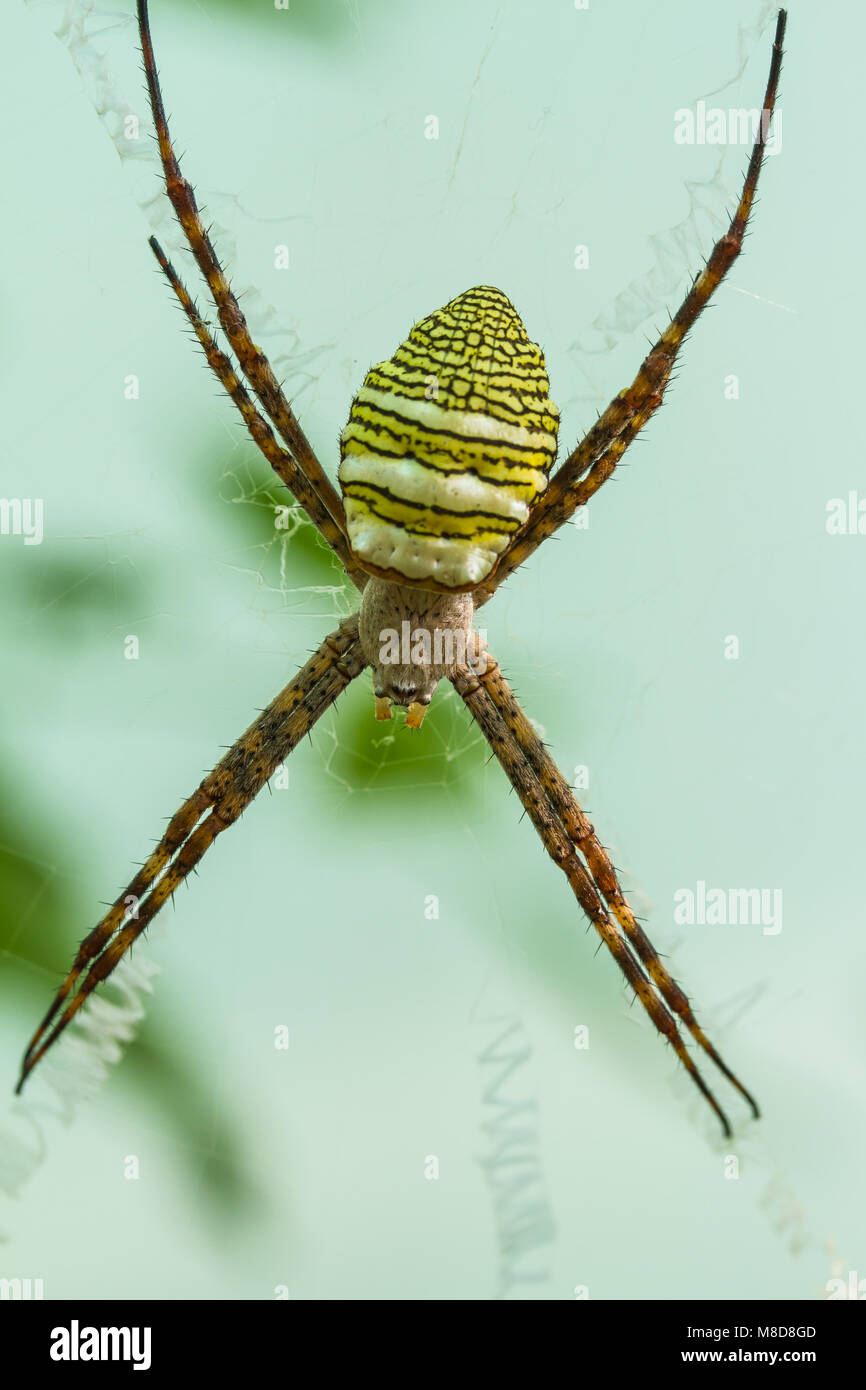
x,y
446,490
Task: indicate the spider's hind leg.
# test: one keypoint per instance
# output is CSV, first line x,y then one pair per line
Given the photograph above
x,y
567,835
222,797
582,834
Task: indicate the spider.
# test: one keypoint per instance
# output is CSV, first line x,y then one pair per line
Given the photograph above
x,y
445,475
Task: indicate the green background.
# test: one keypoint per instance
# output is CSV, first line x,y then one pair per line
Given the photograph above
x,y
308,1169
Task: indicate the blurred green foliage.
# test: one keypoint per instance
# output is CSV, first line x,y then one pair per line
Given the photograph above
x,y
321,20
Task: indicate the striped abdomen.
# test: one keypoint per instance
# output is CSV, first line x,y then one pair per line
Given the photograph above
x,y
449,444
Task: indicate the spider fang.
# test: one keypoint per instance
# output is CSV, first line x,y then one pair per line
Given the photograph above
x,y
415,714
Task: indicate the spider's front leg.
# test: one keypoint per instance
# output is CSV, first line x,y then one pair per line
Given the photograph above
x,y
572,843
597,455
299,468
222,797
260,431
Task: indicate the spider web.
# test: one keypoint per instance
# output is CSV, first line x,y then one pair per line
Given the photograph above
x,y
682,245
102,45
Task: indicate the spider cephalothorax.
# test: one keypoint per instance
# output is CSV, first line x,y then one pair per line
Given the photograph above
x,y
412,639
446,477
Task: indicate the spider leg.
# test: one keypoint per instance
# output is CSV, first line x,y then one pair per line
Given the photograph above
x,y
598,453
582,835
222,797
529,786
254,364
282,463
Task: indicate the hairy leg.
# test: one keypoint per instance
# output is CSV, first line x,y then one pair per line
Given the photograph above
x,y
281,462
219,801
582,835
254,364
558,821
600,450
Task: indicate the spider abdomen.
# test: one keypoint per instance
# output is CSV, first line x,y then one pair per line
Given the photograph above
x,y
448,444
